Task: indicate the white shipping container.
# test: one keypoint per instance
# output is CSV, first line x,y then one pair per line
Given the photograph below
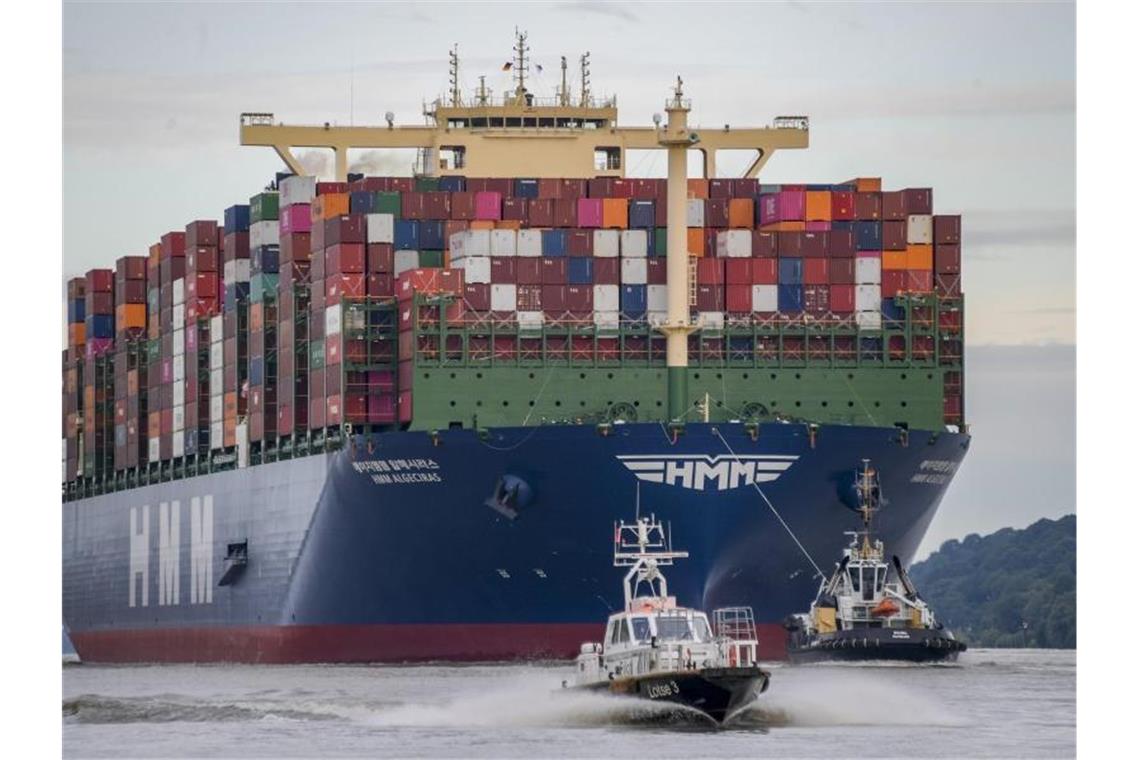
x,y
217,405
265,232
734,244
607,298
178,314
504,243
530,320
178,420
178,289
405,260
657,298
178,341
471,243
869,320
765,298
606,243
381,228
152,449
530,243
217,435
476,269
217,328
179,368
178,444
634,243
607,320
868,297
178,393
711,320
217,378
503,297
695,213
920,229
235,271
216,356
868,270
297,190
634,271
332,319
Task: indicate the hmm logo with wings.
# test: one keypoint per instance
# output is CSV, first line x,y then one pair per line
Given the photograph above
x,y
700,472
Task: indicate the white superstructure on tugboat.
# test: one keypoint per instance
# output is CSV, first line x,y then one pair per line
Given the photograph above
x,y
869,609
658,650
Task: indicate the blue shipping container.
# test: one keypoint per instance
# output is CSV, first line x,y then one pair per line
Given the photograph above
x,y
634,300
843,226
453,184
580,271
553,243
256,370
76,311
869,236
237,218
407,234
526,188
790,298
641,214
820,188
100,326
893,311
431,235
791,271
235,292
265,258
362,202
769,188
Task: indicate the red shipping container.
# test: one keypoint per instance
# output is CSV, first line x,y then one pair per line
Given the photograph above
x,y
413,205
841,271
329,188
540,211
344,258
816,271
317,412
130,268
947,258
716,211
503,270
948,285
553,270
710,272
764,244
380,285
920,281
738,272
947,229
202,285
868,206
100,280
381,257
894,236
720,188
202,259
607,271
528,271
173,244
235,246
711,298
343,286
549,188
580,298
600,187
894,282
463,205
437,205
790,244
477,296
566,212
813,244
404,406
573,188
430,280
737,298
765,271
817,299
918,200
580,243
528,297
893,206
554,299
841,298
841,244
351,228
515,209
296,246
657,271
201,233
842,205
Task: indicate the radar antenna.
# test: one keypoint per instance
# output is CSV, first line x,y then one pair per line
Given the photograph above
x,y
584,61
453,74
644,547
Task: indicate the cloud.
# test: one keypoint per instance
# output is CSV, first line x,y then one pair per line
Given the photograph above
x,y
613,10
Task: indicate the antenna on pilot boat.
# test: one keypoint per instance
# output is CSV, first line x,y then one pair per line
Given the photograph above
x,y
637,500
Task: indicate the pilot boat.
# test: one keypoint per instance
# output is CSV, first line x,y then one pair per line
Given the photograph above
x,y
657,650
869,609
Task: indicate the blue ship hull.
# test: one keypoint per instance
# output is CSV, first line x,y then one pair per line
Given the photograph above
x,y
392,553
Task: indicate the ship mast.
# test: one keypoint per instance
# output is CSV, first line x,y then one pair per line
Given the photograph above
x,y
453,75
584,62
563,91
520,65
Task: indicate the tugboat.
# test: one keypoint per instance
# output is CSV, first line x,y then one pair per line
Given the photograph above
x,y
869,609
657,650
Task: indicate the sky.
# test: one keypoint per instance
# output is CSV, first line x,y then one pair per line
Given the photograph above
x,y
977,100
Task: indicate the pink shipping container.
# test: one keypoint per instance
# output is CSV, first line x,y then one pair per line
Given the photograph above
x,y
769,210
488,205
793,205
818,226
381,408
295,218
404,406
589,212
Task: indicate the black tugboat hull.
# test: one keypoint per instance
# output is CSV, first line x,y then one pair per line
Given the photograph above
x,y
878,644
717,692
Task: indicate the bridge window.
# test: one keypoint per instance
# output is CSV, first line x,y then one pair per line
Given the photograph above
x,y
452,156
641,629
607,158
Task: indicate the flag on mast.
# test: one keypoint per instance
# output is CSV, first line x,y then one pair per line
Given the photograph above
x,y
507,66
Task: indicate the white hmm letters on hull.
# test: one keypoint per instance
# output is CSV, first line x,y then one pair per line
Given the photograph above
x,y
169,545
698,471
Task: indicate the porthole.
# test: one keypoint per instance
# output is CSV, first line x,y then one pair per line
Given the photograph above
x,y
902,376
720,403
659,404
902,403
797,375
877,404
850,403
531,375
773,375
531,403
929,375
581,375
850,376
478,403
823,403
697,376
452,375
558,403
453,403
427,376
581,403
797,403
609,375
506,403
478,375
637,403
719,376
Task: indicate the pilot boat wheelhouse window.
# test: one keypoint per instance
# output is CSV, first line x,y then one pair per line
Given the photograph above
x,y
641,629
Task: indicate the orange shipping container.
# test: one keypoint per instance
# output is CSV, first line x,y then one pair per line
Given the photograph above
x,y
155,253
506,224
785,227
130,315
256,317
920,257
818,206
696,241
154,425
615,213
740,213
698,188
868,184
329,206
482,224
229,432
229,407
895,260
76,334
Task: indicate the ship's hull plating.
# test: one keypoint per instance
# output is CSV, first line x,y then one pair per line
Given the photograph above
x,y
392,553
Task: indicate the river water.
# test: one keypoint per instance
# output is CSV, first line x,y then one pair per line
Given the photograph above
x,y
992,703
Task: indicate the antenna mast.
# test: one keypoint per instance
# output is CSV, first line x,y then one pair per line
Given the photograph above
x,y
585,63
482,90
564,92
453,73
521,50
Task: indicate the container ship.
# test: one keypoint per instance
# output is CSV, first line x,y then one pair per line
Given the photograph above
x,y
394,418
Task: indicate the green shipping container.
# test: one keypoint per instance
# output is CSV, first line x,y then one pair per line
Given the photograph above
x,y
431,258
262,287
427,184
317,354
153,348
660,242
263,207
388,203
